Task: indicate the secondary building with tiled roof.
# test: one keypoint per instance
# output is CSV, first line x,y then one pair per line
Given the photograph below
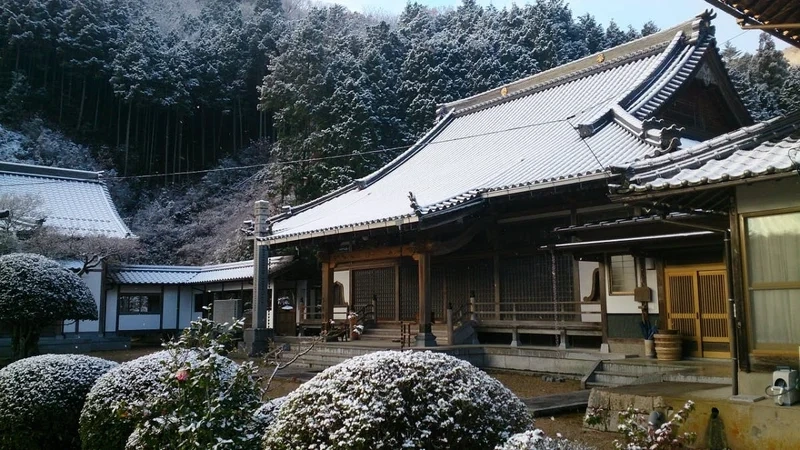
x,y
73,202
766,150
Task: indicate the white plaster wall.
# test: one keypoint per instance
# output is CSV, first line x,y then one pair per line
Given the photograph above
x,y
111,309
139,322
768,195
586,269
301,298
343,277
94,280
187,307
625,304
169,306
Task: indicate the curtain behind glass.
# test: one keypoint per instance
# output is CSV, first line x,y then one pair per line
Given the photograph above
x,y
773,254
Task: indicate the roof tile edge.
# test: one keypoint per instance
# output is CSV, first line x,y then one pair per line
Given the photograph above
x,y
613,57
52,172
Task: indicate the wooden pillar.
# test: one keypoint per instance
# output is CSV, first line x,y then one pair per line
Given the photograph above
x,y
496,267
397,292
604,305
425,337
327,292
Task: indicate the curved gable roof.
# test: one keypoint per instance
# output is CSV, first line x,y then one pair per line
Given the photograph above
x,y
562,126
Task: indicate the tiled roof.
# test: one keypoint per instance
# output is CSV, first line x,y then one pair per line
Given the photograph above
x,y
767,148
566,125
74,202
243,270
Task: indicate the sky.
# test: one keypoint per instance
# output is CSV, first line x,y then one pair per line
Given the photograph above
x,y
665,13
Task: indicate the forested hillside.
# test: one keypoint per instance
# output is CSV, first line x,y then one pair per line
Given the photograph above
x,y
308,97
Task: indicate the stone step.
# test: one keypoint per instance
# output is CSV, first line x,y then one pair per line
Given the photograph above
x,y
594,384
614,378
637,369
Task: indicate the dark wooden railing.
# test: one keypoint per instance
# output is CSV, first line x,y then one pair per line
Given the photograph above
x,y
533,311
405,334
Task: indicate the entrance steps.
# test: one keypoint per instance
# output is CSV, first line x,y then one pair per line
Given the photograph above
x,y
571,363
641,371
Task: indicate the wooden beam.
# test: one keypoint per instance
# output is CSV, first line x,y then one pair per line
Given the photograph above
x,y
775,26
372,254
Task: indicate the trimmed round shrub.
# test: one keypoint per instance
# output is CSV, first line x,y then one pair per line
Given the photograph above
x,y
536,440
394,399
34,292
106,426
41,398
265,415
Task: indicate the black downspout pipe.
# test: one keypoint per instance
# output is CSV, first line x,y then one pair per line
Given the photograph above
x,y
734,338
732,316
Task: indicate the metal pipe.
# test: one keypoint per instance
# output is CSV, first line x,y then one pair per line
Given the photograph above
x,y
732,316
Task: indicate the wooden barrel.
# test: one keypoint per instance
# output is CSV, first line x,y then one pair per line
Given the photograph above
x,y
669,345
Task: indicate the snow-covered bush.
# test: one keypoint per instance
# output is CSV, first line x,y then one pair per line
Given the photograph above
x,y
395,400
639,434
100,426
36,291
41,398
265,415
637,431
201,402
537,440
106,419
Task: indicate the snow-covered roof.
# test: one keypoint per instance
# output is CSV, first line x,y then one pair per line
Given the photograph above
x,y
563,126
74,202
144,274
763,149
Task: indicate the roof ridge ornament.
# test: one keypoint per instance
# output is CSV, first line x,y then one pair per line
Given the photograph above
x,y
414,204
702,27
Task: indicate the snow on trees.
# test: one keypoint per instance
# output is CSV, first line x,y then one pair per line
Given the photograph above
x,y
35,292
41,398
392,400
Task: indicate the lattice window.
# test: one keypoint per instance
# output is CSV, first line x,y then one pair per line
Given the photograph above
x,y
622,271
378,283
537,287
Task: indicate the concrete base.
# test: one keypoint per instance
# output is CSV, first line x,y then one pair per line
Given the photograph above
x,y
256,340
426,340
747,425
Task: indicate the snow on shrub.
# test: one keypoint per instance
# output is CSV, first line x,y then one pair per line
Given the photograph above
x,y
396,400
204,403
537,440
36,291
103,425
265,415
41,398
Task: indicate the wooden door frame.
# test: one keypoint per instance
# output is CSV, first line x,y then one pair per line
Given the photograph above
x,y
695,270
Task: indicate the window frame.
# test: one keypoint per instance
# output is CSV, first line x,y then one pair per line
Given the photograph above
x,y
610,272
748,288
123,312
